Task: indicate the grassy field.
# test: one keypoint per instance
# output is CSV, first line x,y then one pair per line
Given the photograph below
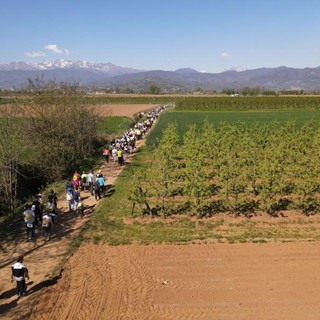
x,y
113,125
184,118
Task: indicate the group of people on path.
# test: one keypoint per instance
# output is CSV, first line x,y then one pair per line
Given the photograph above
x,y
86,182
42,212
40,215
120,148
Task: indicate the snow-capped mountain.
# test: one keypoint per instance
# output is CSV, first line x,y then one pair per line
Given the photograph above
x,y
15,75
67,64
238,69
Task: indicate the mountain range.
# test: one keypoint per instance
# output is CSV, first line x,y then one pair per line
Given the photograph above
x,y
15,75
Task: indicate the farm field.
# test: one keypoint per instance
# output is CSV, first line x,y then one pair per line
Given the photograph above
x,y
185,118
121,109
205,281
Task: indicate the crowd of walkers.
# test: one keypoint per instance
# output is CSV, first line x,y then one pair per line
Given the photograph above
x,y
43,211
121,147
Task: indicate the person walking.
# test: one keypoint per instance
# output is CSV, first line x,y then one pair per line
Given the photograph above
x,y
76,180
69,198
19,272
114,153
46,225
120,157
36,204
29,219
101,181
76,199
96,187
90,181
106,153
53,196
84,181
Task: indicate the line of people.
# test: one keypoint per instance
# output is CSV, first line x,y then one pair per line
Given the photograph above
x,y
121,147
42,214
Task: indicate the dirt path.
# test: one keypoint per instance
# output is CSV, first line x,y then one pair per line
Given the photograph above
x,y
43,258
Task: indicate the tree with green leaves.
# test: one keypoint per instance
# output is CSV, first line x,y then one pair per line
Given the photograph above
x,y
197,184
164,169
137,195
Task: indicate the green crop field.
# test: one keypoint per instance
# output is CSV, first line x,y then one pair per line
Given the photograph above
x,y
183,119
247,103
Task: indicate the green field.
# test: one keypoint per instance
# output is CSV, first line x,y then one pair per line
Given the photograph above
x,y
223,103
184,119
113,125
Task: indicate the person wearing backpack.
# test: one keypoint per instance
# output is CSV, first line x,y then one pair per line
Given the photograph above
x,y
96,187
84,181
37,209
53,197
19,272
76,199
80,208
69,198
47,223
50,210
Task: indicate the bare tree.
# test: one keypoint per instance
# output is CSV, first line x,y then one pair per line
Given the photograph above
x,y
10,154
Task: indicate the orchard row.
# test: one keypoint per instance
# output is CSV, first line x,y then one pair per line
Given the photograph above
x,y
232,168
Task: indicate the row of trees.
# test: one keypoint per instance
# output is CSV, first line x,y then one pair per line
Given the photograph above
x,y
42,139
247,103
234,168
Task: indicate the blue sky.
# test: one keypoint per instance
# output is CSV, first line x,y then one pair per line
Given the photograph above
x,y
207,35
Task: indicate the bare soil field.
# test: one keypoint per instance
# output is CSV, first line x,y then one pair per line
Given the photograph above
x,y
209,281
196,281
122,109
127,110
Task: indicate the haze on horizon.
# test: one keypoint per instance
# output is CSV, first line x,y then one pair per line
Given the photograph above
x,y
207,35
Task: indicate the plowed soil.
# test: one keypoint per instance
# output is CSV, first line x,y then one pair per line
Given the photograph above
x,y
122,109
200,281
220,281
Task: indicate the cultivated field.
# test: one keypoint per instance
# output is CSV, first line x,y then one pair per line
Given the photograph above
x,y
184,119
121,109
